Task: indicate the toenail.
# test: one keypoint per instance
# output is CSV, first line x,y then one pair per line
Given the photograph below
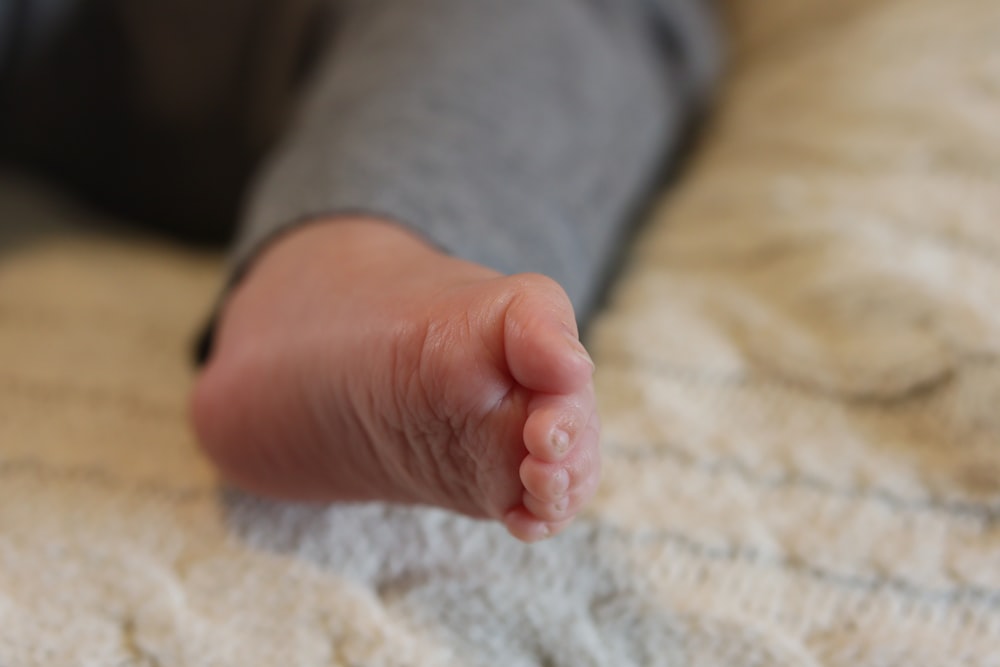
x,y
580,350
559,506
560,483
560,441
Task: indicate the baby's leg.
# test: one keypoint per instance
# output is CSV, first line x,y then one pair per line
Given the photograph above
x,y
356,360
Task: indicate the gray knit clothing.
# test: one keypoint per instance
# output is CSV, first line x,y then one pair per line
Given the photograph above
x,y
514,133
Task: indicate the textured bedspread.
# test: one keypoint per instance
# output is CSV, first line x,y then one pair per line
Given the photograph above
x,y
799,374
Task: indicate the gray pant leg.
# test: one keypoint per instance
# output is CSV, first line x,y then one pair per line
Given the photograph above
x,y
514,133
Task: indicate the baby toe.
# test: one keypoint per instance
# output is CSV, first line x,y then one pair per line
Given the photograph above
x,y
526,527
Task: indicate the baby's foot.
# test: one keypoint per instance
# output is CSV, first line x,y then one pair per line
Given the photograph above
x,y
355,362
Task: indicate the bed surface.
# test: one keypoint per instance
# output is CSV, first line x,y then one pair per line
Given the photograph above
x,y
799,373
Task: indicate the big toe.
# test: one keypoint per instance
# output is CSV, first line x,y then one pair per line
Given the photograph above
x,y
541,343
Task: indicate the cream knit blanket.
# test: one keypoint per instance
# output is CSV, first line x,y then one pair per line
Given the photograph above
x,y
799,374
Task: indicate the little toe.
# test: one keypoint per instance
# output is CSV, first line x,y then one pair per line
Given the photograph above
x,y
526,527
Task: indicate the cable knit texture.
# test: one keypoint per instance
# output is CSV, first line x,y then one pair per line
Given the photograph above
x,y
799,373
